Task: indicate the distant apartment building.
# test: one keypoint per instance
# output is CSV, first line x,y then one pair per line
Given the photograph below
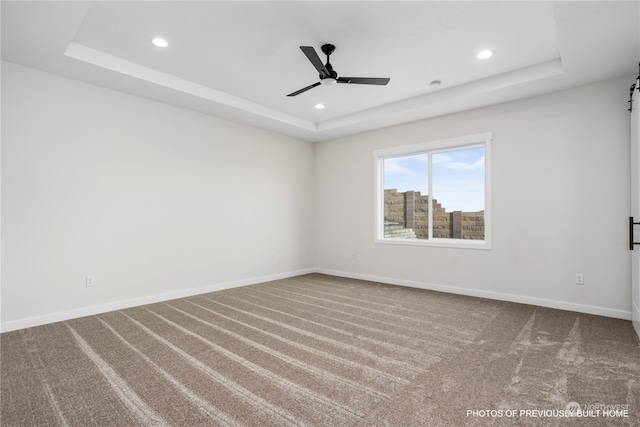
x,y
406,215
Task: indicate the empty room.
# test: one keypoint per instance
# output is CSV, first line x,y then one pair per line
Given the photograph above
x,y
320,213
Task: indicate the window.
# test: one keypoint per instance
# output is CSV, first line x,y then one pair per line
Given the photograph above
x,y
435,193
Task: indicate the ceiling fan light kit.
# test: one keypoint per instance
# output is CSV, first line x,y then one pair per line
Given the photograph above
x,y
328,76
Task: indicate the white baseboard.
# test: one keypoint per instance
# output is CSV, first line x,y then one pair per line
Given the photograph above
x,y
120,305
561,305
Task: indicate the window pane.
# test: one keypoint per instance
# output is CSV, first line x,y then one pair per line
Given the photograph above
x,y
406,201
458,194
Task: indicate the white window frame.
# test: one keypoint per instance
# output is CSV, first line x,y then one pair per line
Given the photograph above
x,y
434,147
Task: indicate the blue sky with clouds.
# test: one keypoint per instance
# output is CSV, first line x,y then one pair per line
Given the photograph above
x,y
458,177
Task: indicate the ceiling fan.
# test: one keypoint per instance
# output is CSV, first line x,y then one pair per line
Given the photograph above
x,y
328,76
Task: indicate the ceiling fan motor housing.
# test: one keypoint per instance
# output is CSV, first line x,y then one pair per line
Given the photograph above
x,y
333,76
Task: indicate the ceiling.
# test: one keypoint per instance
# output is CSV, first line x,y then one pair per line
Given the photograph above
x,y
239,59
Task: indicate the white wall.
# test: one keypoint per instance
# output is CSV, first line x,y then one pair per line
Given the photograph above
x,y
560,200
158,202
154,201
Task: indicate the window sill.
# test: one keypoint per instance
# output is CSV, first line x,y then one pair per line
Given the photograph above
x,y
440,243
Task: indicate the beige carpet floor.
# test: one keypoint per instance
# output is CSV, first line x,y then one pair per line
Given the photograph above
x,y
318,350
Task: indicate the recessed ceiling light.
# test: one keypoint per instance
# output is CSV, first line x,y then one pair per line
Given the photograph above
x,y
160,42
319,106
485,54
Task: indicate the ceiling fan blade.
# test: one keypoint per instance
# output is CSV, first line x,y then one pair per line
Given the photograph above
x,y
315,60
382,81
298,92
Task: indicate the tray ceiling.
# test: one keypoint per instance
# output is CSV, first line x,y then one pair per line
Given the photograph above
x,y
239,60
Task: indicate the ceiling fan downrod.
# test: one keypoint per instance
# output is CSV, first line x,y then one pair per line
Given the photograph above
x,y
328,49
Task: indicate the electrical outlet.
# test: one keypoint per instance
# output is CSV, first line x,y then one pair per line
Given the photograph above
x,y
358,257
579,279
89,280
277,257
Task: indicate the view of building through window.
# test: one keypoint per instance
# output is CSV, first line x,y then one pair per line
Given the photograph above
x,y
456,178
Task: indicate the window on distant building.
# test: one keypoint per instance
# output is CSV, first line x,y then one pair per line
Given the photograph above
x,y
435,193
